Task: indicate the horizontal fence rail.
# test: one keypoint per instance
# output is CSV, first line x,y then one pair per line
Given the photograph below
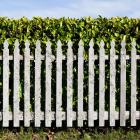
x,y
68,113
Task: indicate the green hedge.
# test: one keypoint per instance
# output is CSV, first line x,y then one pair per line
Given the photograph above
x,y
74,29
66,28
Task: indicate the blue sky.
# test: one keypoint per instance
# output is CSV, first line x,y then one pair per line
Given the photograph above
x,y
69,8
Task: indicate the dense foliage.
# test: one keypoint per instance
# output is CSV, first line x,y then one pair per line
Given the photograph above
x,y
74,29
66,28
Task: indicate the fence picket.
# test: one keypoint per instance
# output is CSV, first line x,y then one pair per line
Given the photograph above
x,y
112,83
80,83
48,112
123,85
59,85
16,100
101,83
133,83
6,85
69,84
37,84
91,86
27,84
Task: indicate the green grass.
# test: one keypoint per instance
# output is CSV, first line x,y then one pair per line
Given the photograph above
x,y
70,134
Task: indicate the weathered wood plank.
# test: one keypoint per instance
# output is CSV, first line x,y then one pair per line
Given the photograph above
x,y
69,85
101,83
123,85
91,85
16,98
80,83
48,113
5,120
112,83
27,84
37,84
59,85
133,83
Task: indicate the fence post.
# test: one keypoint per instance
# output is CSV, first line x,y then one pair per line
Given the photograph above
x,y
48,113
101,83
59,85
80,83
6,84
91,85
69,85
112,83
133,83
27,85
16,84
123,84
37,84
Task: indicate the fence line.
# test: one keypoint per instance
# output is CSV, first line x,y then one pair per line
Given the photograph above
x,y
69,115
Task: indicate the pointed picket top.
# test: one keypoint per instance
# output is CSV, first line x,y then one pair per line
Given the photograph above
x,y
6,44
48,50
59,44
123,43
91,43
70,44
16,43
48,44
113,43
69,50
81,43
133,43
27,43
102,44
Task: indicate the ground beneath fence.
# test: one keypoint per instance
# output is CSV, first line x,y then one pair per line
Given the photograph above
x,y
70,133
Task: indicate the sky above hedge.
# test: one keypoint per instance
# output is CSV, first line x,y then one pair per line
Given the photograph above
x,y
69,8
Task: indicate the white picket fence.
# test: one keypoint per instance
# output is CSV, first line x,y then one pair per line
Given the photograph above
x,y
69,115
